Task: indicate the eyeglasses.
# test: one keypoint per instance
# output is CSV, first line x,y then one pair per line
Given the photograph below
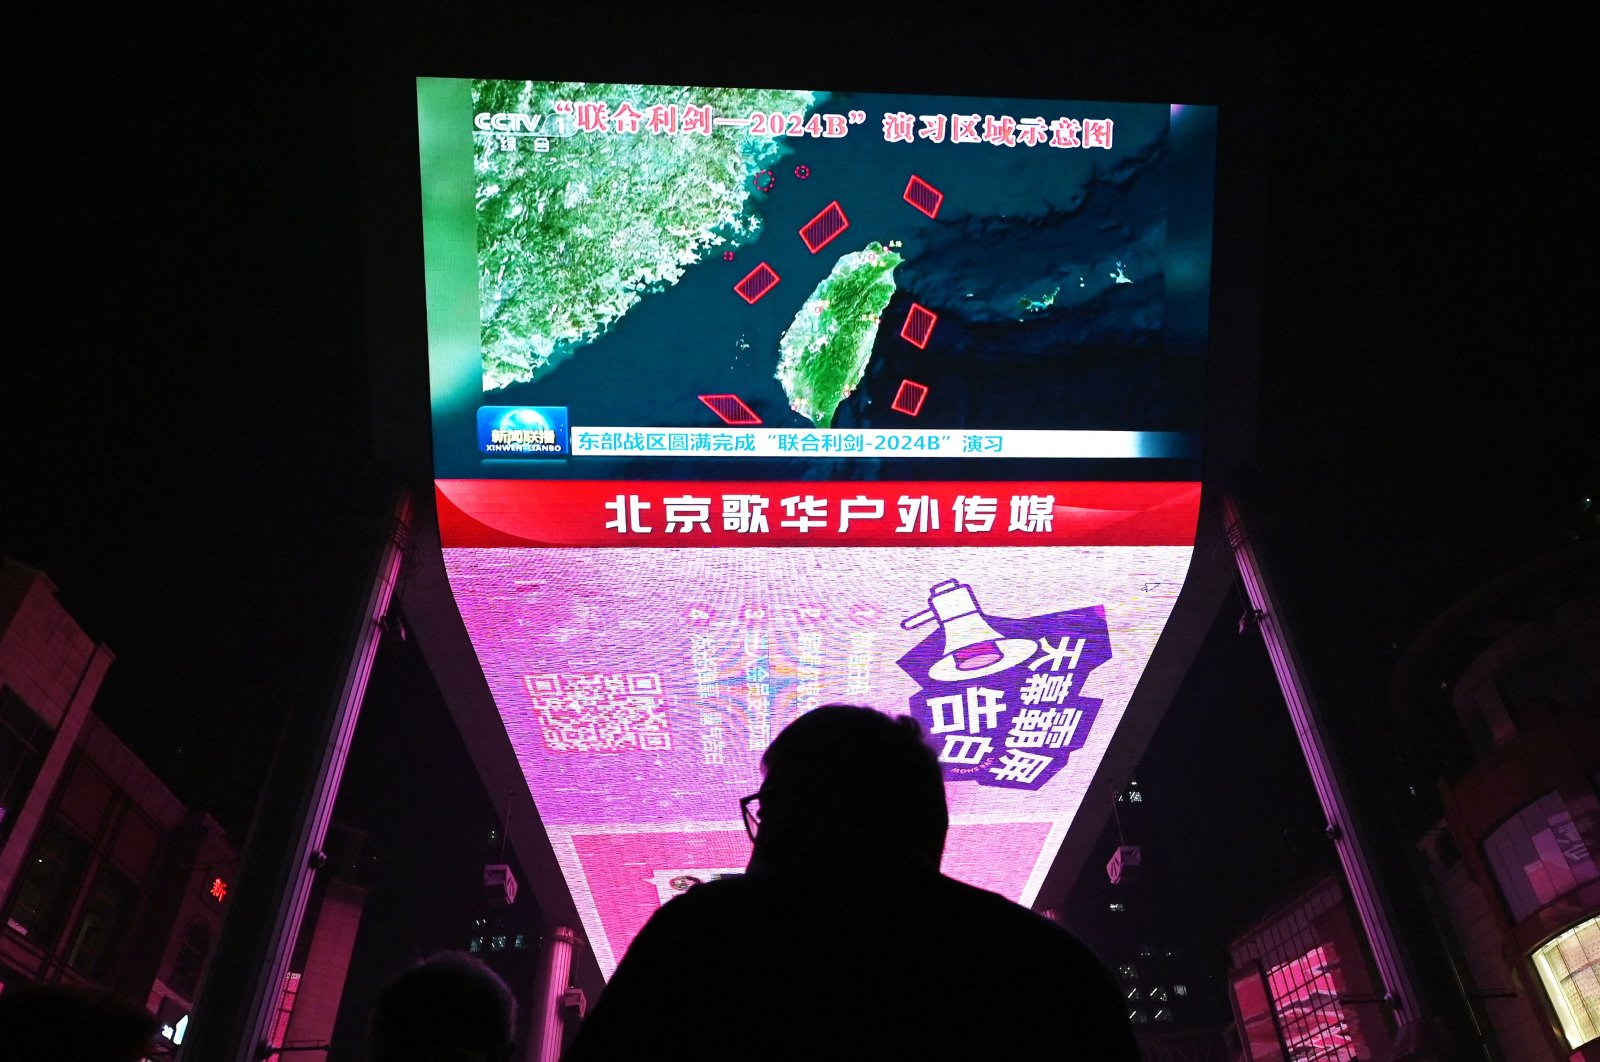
x,y
750,809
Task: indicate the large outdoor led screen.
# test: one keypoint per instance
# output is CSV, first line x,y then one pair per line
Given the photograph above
x,y
751,400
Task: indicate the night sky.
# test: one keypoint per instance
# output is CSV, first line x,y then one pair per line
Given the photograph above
x,y
184,401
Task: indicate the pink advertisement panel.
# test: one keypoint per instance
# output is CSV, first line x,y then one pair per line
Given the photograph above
x,y
639,687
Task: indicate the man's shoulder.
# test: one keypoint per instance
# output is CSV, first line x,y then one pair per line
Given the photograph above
x,y
1020,928
723,901
952,898
935,903
719,894
750,956
981,903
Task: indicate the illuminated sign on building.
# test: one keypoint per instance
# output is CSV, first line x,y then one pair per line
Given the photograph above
x,y
747,401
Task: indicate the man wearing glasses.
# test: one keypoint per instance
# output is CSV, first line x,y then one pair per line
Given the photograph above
x,y
843,941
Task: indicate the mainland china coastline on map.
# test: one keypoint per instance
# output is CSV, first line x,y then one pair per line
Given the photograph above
x,y
639,184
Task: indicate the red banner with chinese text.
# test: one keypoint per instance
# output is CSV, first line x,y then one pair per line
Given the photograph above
x,y
476,512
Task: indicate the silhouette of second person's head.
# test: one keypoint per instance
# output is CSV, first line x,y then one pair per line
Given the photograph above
x,y
450,1008
56,1021
849,787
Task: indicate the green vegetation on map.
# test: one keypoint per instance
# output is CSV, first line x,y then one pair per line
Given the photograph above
x,y
824,352
570,239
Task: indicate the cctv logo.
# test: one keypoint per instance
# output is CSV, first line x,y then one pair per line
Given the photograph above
x,y
524,124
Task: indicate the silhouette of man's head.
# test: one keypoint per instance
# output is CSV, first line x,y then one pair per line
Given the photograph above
x,y
450,1008
850,786
41,1021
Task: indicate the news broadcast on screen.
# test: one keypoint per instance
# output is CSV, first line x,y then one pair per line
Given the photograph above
x,y
749,400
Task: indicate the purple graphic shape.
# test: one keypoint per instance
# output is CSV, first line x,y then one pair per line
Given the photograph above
x,y
919,326
730,408
922,195
824,228
756,283
909,398
1014,728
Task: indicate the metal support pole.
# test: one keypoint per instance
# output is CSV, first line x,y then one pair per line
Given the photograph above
x,y
1402,987
283,852
555,969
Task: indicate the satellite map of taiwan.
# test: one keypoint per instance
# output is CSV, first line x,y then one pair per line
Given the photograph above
x,y
684,257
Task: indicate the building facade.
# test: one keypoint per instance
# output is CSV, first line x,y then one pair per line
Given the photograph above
x,y
308,1005
1509,681
106,878
1303,986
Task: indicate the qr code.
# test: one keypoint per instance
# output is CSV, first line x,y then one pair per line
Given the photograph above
x,y
599,712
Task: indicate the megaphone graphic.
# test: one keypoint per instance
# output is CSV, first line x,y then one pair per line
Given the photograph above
x,y
972,648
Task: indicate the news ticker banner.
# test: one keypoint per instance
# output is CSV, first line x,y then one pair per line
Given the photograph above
x,y
503,434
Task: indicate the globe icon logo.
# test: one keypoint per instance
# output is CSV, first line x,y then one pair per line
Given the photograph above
x,y
523,420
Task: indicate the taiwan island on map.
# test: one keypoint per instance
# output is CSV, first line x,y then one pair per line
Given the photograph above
x,y
659,256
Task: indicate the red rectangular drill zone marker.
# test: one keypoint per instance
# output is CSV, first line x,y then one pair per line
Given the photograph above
x,y
919,326
924,196
825,227
909,398
731,409
756,283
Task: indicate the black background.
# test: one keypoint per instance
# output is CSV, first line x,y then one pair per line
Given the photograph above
x,y
183,406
